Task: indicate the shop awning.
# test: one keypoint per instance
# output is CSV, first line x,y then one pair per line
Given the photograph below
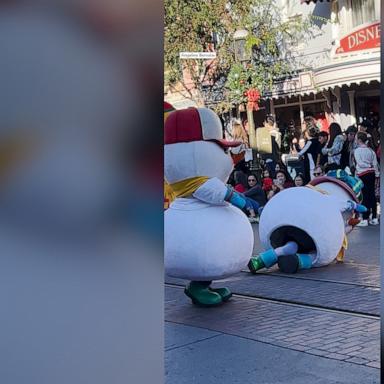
x,y
312,1
301,85
347,73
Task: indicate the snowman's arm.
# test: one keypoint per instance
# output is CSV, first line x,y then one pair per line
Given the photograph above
x,y
348,205
353,206
214,191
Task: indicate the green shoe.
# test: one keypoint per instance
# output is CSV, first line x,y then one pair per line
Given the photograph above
x,y
200,294
255,264
225,293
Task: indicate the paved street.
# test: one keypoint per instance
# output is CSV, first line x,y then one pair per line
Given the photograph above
x,y
318,326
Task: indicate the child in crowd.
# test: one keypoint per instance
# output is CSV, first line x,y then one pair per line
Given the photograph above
x,y
267,181
274,190
240,181
299,180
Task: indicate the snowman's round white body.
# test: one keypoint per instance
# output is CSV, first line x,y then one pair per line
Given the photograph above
x,y
203,241
338,190
313,219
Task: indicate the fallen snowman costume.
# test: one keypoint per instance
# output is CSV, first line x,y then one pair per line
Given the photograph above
x,y
206,236
306,227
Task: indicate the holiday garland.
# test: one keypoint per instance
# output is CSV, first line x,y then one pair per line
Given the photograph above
x,y
245,84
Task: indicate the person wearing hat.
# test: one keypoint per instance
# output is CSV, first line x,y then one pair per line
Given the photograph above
x,y
206,235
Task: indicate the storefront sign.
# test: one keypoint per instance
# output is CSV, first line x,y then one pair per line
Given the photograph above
x,y
263,140
197,55
364,38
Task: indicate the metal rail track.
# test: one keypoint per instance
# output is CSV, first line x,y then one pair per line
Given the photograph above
x,y
292,303
295,277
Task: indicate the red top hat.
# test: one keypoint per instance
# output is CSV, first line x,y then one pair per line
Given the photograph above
x,y
168,107
195,124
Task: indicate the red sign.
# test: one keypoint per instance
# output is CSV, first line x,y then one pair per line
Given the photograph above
x,y
367,37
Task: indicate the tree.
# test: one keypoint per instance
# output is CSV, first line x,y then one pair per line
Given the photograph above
x,y
207,25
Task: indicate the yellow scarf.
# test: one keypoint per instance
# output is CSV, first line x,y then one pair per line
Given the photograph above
x,y
182,188
187,187
345,242
169,195
340,255
317,189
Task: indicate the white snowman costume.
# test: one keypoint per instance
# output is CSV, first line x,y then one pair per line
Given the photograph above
x,y
305,227
206,237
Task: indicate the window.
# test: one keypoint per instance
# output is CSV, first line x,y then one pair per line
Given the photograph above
x,y
364,11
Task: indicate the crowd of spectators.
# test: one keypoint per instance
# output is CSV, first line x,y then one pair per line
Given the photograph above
x,y
258,192
355,150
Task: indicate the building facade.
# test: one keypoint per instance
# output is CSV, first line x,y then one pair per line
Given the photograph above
x,y
340,75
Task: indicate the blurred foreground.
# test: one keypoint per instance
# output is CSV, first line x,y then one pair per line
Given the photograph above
x,y
80,205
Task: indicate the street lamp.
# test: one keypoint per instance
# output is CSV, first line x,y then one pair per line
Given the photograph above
x,y
239,38
242,56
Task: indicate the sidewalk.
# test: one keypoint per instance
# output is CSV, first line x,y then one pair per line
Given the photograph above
x,y
332,334
318,326
347,287
197,356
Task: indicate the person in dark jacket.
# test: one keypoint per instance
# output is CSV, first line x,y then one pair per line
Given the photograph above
x,y
348,148
334,147
323,139
241,185
310,152
255,191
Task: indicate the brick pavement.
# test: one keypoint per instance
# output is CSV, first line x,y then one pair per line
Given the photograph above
x,y
347,297
311,292
363,245
333,335
348,272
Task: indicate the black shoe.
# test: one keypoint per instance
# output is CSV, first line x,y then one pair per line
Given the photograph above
x,y
288,264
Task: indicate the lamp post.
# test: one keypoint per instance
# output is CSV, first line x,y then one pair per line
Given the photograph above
x,y
242,56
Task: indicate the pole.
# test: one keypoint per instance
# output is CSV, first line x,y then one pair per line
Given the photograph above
x,y
241,56
251,129
251,123
352,116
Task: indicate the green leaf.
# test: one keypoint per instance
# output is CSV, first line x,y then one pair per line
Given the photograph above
x,y
197,25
